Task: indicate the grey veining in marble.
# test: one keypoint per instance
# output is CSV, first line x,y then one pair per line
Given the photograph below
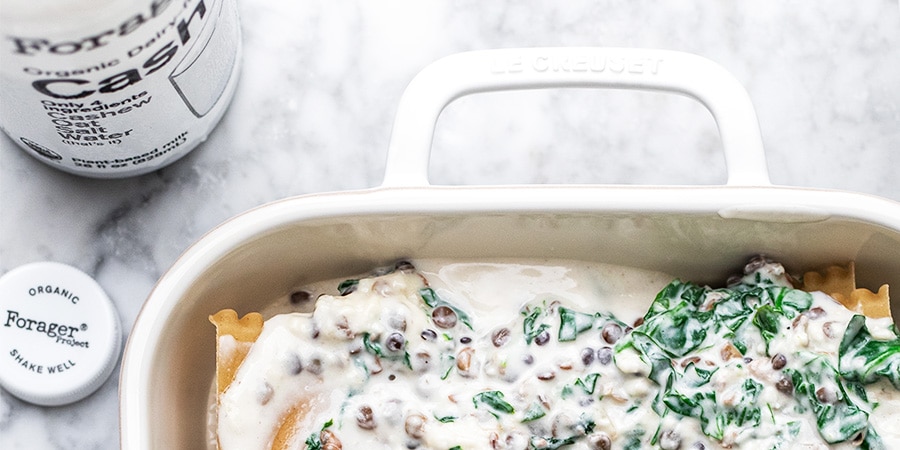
x,y
317,97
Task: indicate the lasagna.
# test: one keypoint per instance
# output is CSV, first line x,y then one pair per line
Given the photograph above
x,y
562,355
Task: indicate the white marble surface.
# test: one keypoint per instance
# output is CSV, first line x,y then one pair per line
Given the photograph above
x,y
319,88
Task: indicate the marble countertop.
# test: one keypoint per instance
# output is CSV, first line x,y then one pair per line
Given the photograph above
x,y
317,97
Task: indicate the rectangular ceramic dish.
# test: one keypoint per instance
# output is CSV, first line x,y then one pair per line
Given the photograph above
x,y
697,233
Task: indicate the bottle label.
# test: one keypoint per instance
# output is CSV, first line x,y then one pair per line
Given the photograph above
x,y
125,96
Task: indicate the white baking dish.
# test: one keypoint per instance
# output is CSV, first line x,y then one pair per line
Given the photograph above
x,y
698,233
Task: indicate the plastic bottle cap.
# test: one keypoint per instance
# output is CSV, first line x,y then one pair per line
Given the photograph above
x,y
60,335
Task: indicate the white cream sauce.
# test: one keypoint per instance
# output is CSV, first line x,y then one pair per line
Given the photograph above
x,y
498,384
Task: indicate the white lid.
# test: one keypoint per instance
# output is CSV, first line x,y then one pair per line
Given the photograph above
x,y
60,336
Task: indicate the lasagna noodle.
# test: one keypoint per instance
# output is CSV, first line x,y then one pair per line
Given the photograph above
x,y
242,333
287,431
839,282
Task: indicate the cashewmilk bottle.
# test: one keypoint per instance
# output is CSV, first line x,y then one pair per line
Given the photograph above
x,y
115,88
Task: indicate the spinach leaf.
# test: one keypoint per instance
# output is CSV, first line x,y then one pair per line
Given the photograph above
x,y
534,412
550,443
633,441
494,400
700,405
838,419
585,425
695,377
872,441
674,293
793,301
430,297
768,320
745,409
530,326
778,303
571,323
675,325
731,309
678,333
347,286
589,383
432,300
652,353
314,442
865,359
374,347
448,362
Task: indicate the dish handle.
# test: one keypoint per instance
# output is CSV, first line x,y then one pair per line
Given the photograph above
x,y
458,75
